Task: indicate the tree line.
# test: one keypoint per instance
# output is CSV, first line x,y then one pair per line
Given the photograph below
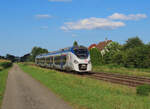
x,y
133,54
27,57
37,51
34,52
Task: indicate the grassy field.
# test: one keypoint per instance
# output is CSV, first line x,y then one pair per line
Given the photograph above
x,y
3,78
117,69
86,93
122,70
3,60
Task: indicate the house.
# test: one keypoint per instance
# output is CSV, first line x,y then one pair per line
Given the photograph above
x,y
92,46
101,46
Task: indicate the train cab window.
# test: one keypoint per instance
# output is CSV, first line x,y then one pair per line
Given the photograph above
x,y
81,53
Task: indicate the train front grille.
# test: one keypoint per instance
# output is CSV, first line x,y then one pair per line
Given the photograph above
x,y
82,66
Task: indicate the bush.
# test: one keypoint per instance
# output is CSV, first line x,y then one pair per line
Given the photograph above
x,y
96,57
133,42
143,89
130,58
1,68
111,50
133,54
118,58
138,57
6,64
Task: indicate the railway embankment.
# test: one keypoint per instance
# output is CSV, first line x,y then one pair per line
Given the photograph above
x,y
141,72
84,92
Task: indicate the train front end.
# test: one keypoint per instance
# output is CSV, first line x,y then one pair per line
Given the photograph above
x,y
81,59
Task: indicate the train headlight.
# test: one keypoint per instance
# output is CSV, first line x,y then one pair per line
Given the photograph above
x,y
76,62
89,62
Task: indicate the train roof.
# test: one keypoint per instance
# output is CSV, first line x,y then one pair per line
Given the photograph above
x,y
68,49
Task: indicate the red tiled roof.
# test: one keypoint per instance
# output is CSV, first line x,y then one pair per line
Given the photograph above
x,y
92,46
103,44
100,45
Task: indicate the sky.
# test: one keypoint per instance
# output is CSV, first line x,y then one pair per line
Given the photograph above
x,y
56,24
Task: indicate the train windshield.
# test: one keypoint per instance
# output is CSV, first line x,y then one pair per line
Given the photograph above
x,y
81,53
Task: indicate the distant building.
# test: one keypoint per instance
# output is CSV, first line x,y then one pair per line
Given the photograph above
x,y
92,46
2,57
101,46
25,58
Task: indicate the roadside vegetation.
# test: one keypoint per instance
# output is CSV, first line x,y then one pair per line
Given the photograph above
x,y
143,90
132,58
4,68
87,93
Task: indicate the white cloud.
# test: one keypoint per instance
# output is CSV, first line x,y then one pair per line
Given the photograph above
x,y
118,16
60,0
44,27
43,16
92,23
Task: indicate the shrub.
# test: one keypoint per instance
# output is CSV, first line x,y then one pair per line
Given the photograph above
x,y
96,57
117,58
133,42
129,58
1,68
138,57
143,89
110,50
107,58
6,64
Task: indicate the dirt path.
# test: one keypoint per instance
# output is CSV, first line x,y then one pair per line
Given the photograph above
x,y
23,92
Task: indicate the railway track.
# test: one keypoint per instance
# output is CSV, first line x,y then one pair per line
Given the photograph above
x,y
132,81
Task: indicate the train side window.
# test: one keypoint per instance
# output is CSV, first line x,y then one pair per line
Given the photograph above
x,y
51,60
64,59
57,60
48,60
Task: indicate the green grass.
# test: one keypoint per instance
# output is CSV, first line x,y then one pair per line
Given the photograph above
x,y
3,78
86,93
122,70
4,68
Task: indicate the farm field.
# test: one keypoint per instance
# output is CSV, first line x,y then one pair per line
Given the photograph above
x,y
3,60
86,93
3,78
122,70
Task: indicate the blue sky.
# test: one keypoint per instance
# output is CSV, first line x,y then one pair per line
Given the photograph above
x,y
55,24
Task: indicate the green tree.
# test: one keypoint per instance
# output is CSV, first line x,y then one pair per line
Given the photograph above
x,y
11,57
118,57
37,51
133,42
138,57
75,43
110,51
96,57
